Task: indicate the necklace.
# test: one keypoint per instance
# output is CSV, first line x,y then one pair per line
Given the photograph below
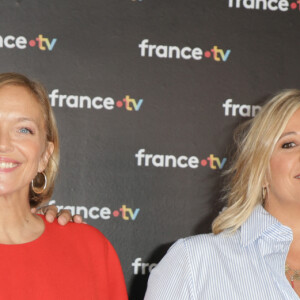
x,y
295,274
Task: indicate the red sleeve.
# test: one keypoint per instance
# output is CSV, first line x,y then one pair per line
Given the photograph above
x,y
116,280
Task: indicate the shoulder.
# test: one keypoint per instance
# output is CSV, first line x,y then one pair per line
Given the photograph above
x,y
207,244
84,230
196,251
74,233
185,267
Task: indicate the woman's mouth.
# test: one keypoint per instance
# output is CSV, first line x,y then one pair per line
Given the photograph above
x,y
7,165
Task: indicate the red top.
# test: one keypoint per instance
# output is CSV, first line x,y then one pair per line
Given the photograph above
x,y
73,262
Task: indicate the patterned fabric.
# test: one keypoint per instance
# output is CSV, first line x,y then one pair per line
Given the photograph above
x,y
249,264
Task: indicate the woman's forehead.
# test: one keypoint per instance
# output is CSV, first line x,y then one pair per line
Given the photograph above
x,y
20,102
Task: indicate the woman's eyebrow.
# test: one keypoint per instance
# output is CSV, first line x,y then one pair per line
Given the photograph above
x,y
26,119
288,133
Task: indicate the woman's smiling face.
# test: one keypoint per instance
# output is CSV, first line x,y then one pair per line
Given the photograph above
x,y
284,184
23,147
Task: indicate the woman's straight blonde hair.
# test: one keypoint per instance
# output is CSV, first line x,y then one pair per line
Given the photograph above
x,y
255,141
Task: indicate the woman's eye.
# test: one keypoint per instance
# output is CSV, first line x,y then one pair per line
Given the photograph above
x,y
288,145
25,130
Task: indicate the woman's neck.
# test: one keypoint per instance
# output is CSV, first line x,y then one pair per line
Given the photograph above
x,y
17,224
287,214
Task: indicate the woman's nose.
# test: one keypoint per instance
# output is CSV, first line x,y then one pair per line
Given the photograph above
x,y
5,142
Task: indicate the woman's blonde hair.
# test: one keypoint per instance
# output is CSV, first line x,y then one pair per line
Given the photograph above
x,y
40,94
255,141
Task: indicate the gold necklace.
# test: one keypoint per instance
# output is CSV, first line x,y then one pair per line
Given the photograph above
x,y
294,276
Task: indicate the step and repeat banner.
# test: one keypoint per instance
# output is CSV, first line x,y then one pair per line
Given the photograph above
x,y
147,94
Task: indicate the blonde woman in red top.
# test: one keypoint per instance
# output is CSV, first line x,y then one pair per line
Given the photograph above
x,y
40,260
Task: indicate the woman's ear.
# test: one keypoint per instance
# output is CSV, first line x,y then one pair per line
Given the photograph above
x,y
265,189
45,157
265,182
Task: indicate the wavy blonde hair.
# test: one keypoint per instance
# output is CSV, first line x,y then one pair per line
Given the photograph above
x,y
255,141
40,94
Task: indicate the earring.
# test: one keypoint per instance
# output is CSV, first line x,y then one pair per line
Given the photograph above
x,y
264,193
42,183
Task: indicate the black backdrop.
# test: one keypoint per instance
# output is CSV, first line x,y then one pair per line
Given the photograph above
x,y
146,95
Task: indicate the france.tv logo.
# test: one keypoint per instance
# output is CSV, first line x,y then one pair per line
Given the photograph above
x,y
187,53
97,102
271,5
103,213
21,42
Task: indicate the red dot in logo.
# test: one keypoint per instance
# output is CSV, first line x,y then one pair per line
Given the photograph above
x,y
32,43
293,5
207,54
203,162
119,103
116,213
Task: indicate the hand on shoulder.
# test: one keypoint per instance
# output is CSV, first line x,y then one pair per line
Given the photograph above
x,y
51,213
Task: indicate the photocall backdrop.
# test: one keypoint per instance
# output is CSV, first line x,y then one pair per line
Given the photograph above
x,y
146,95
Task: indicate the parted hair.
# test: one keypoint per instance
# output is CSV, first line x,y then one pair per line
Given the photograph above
x,y
40,94
250,167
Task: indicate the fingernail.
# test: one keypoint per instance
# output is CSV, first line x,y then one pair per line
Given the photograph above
x,y
50,218
62,220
